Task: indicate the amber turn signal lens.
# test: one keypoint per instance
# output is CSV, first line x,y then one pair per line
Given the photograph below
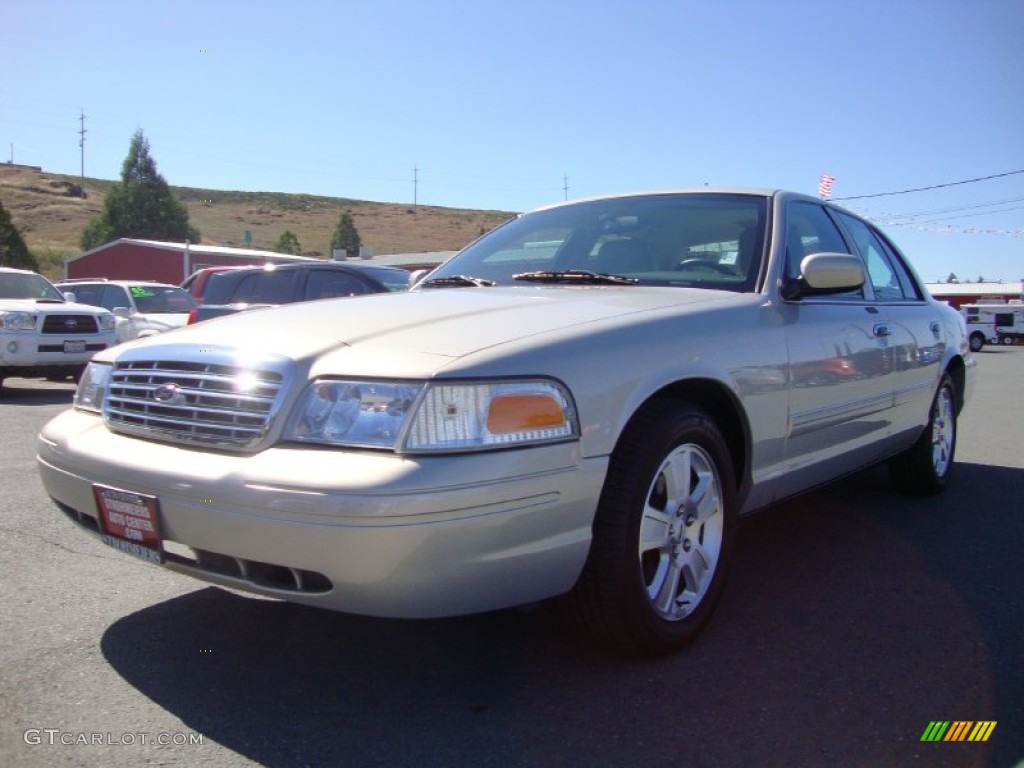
x,y
522,412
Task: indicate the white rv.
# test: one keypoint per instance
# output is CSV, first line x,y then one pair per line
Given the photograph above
x,y
993,323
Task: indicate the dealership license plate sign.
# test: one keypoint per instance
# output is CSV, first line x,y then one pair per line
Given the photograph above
x,y
74,346
129,522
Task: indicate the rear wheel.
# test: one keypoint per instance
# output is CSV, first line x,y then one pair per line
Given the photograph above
x,y
925,467
663,534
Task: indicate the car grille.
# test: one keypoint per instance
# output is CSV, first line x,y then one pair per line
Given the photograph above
x,y
94,347
69,324
189,402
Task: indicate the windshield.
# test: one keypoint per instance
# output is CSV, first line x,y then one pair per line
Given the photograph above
x,y
393,279
26,285
703,240
161,299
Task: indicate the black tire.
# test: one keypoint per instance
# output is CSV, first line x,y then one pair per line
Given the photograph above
x,y
977,341
925,467
689,530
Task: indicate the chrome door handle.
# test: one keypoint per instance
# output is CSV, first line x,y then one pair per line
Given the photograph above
x,y
882,329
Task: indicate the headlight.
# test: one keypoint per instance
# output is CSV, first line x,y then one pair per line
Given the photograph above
x,y
354,413
92,387
17,321
435,417
107,322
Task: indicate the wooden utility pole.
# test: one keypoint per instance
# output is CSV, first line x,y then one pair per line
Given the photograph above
x,y
81,140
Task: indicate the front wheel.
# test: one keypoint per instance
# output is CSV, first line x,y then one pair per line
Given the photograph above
x,y
925,467
977,341
663,534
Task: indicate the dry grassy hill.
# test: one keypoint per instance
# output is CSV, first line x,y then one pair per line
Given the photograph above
x,y
50,217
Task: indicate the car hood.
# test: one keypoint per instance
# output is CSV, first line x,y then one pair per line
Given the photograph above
x,y
35,305
164,320
415,333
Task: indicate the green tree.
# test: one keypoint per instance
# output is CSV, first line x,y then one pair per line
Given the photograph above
x,y
13,251
345,235
288,243
141,205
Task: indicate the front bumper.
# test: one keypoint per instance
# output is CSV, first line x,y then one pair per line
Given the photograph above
x,y
32,351
361,532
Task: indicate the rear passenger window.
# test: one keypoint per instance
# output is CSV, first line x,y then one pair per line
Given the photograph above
x,y
85,294
326,284
114,297
263,287
882,273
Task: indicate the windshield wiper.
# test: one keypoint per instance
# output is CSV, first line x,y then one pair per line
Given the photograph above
x,y
459,281
575,276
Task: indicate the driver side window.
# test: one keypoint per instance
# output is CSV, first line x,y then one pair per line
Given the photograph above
x,y
810,229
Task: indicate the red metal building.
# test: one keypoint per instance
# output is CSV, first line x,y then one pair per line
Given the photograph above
x,y
128,259
958,294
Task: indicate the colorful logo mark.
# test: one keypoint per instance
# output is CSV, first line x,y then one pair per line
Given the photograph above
x,y
958,730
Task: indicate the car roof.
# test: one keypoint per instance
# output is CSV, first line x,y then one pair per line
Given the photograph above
x,y
724,190
320,264
104,281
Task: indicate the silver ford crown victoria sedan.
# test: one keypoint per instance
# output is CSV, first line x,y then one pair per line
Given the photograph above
x,y
578,405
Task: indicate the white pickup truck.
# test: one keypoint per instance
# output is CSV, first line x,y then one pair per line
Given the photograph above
x,y
41,334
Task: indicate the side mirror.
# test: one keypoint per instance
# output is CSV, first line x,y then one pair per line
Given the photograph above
x,y
123,312
69,296
822,274
417,275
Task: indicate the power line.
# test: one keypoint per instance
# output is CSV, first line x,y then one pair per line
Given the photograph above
x,y
992,204
936,186
967,215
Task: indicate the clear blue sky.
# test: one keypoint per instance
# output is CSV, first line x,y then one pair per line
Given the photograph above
x,y
497,103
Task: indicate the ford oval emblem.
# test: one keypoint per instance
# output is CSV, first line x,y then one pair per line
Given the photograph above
x,y
169,394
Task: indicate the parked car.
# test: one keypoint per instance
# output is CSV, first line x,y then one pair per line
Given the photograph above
x,y
196,283
238,290
142,308
578,406
42,334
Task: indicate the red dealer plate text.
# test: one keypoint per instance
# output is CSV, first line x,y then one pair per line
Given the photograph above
x,y
129,522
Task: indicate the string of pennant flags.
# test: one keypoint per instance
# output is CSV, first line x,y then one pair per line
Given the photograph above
x,y
948,229
826,182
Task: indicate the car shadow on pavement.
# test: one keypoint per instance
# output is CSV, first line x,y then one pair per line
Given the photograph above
x,y
27,392
854,616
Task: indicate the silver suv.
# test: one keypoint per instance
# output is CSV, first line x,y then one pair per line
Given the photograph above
x,y
44,335
142,307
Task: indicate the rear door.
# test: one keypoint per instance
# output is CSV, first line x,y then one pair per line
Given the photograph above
x,y
916,338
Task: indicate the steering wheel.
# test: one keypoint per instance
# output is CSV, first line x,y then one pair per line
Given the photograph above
x,y
705,264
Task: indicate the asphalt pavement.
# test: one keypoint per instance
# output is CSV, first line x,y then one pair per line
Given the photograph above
x,y
853,619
